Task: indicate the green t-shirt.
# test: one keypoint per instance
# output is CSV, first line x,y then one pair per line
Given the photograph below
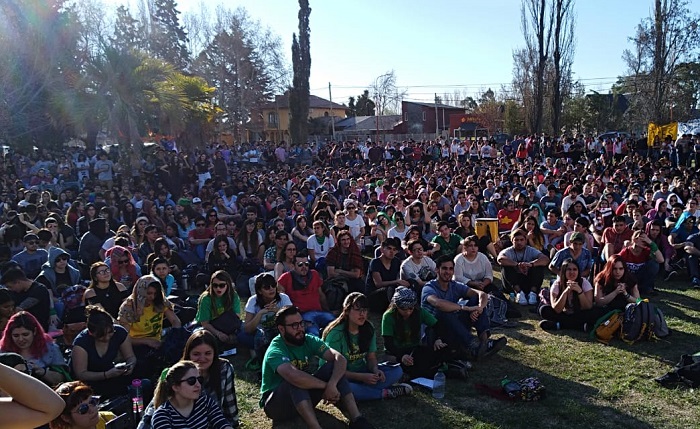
x,y
279,353
447,248
403,339
357,361
204,307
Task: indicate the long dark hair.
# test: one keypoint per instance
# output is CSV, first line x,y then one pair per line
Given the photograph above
x,y
563,280
366,330
228,296
164,390
199,337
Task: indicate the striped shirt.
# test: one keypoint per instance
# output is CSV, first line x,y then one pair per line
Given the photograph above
x,y
205,414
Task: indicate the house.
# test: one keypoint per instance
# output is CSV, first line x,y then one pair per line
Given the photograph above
x,y
275,115
420,118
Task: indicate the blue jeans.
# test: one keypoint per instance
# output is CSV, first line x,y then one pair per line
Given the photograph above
x,y
457,326
646,275
368,392
318,320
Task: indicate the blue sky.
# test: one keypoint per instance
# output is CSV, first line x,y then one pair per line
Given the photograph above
x,y
441,45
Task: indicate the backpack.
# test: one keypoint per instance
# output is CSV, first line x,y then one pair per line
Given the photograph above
x,y
528,389
496,310
72,297
638,322
607,327
336,290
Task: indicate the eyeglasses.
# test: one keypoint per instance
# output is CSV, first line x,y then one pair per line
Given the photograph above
x,y
193,380
102,272
83,409
302,264
219,285
296,325
268,287
360,309
123,261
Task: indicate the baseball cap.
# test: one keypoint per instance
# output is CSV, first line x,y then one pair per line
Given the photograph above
x,y
495,196
196,200
577,236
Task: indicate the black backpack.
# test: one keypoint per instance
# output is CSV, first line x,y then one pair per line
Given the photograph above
x,y
642,321
336,290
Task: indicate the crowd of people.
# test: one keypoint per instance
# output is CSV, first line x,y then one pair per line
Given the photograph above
x,y
293,246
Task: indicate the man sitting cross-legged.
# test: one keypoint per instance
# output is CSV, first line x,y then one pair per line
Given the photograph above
x,y
288,389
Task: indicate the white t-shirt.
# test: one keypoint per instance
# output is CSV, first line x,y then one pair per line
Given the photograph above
x,y
320,250
394,233
355,225
410,270
267,321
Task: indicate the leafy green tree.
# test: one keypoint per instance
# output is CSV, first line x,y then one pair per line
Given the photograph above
x,y
167,38
301,66
128,31
364,105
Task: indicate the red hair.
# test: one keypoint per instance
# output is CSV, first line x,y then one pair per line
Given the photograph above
x,y
605,277
25,320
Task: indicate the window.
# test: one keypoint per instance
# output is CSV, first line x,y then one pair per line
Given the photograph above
x,y
272,119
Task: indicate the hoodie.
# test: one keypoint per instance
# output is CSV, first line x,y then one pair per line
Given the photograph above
x,y
91,242
47,276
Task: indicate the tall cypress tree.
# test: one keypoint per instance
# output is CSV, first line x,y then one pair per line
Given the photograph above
x,y
168,40
301,64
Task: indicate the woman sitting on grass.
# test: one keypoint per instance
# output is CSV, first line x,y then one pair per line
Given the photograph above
x,y
81,408
181,401
219,308
401,331
571,301
615,286
353,335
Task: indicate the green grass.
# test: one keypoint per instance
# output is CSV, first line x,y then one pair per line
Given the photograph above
x,y
589,385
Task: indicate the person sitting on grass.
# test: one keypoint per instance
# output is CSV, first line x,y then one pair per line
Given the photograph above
x,y
288,390
402,330
383,275
181,401
523,268
354,336
219,308
81,409
459,308
643,257
575,251
571,301
615,286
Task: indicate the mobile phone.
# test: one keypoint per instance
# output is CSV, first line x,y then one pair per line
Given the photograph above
x,y
122,366
392,364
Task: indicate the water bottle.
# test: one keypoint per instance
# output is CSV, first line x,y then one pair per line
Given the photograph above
x,y
512,296
439,385
137,398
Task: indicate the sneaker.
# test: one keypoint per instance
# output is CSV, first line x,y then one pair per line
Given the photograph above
x,y
668,378
549,325
397,390
361,423
522,300
670,275
495,346
532,298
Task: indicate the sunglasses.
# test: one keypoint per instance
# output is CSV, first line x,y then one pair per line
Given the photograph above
x,y
62,258
123,261
193,380
83,409
302,264
268,287
219,285
200,224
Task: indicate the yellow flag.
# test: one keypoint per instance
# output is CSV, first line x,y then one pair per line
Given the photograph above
x,y
662,131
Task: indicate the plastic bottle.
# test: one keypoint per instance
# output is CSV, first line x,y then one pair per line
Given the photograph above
x,y
439,385
512,296
137,398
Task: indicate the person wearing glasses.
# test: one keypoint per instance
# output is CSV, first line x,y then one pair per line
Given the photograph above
x,y
103,290
288,390
303,286
354,336
123,266
199,237
32,258
182,403
259,326
219,308
81,408
57,274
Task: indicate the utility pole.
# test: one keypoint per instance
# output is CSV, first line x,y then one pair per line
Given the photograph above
x,y
437,128
330,96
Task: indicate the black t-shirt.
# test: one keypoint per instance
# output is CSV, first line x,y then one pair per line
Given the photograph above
x,y
35,300
376,265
